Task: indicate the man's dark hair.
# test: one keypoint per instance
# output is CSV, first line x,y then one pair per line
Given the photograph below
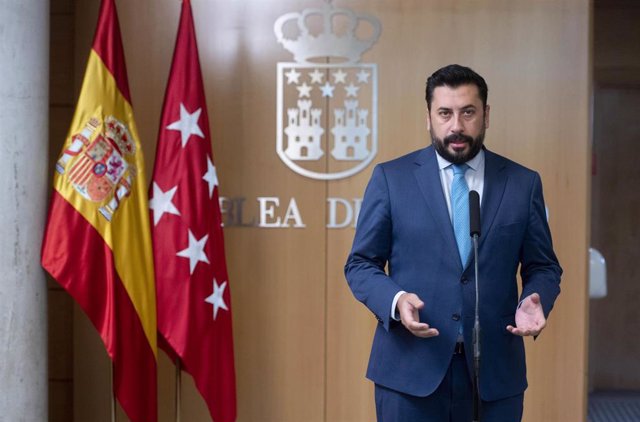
x,y
454,76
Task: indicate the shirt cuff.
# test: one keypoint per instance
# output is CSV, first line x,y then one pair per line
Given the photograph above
x,y
394,312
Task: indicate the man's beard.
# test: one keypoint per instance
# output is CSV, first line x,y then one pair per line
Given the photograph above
x,y
462,156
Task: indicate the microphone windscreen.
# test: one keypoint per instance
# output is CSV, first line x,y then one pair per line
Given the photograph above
x,y
474,213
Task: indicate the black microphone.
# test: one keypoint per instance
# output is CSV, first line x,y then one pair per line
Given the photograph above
x,y
474,213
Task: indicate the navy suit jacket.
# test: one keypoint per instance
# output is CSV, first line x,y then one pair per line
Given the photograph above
x,y
404,226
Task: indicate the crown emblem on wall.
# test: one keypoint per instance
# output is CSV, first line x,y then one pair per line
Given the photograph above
x,y
327,43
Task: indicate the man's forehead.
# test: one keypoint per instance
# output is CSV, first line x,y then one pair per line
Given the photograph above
x,y
460,96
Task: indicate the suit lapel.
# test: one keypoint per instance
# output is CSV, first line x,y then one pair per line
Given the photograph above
x,y
495,180
428,179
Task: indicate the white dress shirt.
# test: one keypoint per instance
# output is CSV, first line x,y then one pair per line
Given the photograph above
x,y
475,180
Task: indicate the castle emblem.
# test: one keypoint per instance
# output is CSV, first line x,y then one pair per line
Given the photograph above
x,y
96,163
327,101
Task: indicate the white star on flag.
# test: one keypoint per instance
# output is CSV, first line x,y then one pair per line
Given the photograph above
x,y
161,203
327,89
216,298
352,90
292,76
187,125
363,76
195,251
211,176
316,76
304,90
340,76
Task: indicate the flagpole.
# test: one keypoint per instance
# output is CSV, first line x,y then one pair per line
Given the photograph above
x,y
113,396
178,389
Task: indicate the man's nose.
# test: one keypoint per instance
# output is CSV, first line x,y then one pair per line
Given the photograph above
x,y
456,125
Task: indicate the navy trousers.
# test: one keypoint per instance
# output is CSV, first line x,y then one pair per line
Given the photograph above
x,y
451,402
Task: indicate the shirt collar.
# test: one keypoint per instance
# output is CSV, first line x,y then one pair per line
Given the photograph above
x,y
474,163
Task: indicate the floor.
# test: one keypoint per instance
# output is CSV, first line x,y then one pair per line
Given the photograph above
x,y
614,406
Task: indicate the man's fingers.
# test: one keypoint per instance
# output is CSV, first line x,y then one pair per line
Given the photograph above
x,y
421,329
431,332
523,333
515,331
518,331
425,332
417,326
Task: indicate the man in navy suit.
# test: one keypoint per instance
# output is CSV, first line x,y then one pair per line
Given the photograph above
x,y
413,272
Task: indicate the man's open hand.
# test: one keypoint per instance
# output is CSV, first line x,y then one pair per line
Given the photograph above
x,y
530,320
408,306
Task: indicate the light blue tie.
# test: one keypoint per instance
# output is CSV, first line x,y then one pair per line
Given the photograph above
x,y
460,211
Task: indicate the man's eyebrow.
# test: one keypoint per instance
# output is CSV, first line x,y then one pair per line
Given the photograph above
x,y
466,107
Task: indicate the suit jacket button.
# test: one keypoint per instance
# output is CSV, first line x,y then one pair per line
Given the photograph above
x,y
464,280
455,317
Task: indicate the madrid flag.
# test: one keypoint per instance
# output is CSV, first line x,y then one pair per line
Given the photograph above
x,y
194,302
97,242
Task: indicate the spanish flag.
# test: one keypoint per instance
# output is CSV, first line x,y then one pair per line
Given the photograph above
x,y
97,242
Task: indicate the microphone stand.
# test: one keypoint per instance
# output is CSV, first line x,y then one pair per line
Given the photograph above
x,y
474,231
476,341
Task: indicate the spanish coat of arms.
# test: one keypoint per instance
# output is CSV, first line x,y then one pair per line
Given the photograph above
x,y
96,163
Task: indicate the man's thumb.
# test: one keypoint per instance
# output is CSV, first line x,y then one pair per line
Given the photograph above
x,y
416,302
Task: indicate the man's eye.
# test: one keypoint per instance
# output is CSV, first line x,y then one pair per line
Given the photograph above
x,y
445,113
469,113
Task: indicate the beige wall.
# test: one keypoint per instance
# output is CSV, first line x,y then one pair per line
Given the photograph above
x,y
301,340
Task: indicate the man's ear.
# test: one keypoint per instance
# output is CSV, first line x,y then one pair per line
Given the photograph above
x,y
428,121
487,108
